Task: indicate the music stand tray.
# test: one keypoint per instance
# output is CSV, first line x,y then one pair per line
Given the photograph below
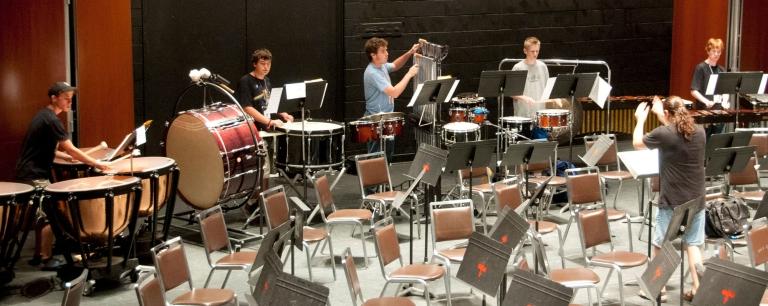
x,y
729,283
659,270
510,228
484,264
725,140
434,157
475,153
527,288
263,291
300,211
507,82
292,290
725,160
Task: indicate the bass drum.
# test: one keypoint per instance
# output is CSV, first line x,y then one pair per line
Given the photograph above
x,y
218,155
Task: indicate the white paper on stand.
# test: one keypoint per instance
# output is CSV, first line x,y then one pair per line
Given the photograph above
x,y
597,150
141,135
450,93
600,92
641,163
274,101
548,88
295,91
763,81
416,94
711,84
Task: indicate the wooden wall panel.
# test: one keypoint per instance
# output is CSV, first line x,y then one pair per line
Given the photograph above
x,y
104,70
754,37
32,57
693,23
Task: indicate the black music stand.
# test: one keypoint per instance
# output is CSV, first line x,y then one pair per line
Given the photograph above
x,y
263,291
292,290
269,243
501,83
729,283
297,235
528,288
509,230
572,86
426,168
762,208
682,217
484,264
430,92
310,99
659,271
525,152
725,140
736,83
724,160
469,155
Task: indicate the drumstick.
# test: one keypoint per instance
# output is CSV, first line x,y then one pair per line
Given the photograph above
x,y
102,145
121,158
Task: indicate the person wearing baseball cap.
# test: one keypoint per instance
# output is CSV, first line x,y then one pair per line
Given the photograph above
x,y
46,139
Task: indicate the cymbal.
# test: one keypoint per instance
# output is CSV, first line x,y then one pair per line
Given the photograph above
x,y
383,116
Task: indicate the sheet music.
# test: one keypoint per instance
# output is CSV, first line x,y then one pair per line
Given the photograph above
x,y
416,94
548,88
295,91
274,101
711,84
141,135
453,89
598,149
641,163
600,91
763,81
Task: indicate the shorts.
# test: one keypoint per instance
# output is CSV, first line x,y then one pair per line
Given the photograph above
x,y
694,235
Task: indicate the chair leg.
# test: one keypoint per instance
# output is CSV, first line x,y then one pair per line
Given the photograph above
x,y
226,278
605,284
629,233
384,289
560,251
427,297
621,286
447,288
362,243
309,259
616,196
208,279
333,259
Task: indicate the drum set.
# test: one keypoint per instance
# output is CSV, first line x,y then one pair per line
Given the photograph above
x,y
377,127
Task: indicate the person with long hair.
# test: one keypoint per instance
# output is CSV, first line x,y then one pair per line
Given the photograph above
x,y
681,145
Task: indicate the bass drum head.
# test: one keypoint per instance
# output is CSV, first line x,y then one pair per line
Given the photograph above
x,y
201,167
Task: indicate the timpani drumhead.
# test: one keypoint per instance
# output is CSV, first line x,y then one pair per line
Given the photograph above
x,y
94,183
195,149
11,189
144,167
141,165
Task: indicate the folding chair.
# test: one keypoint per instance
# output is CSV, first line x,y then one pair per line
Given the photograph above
x,y
609,159
73,290
213,228
452,221
744,178
480,189
148,290
574,278
353,282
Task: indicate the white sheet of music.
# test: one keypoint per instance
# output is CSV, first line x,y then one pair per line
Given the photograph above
x,y
641,163
763,81
711,84
141,135
548,88
416,94
274,101
597,150
600,92
295,91
450,93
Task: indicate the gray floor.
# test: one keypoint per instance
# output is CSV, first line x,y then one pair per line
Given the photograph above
x,y
347,196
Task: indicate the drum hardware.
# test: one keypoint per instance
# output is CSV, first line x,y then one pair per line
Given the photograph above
x,y
17,213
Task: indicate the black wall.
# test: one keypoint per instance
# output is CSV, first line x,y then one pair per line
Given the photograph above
x,y
324,39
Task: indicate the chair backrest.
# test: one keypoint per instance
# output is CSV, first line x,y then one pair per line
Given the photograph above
x,y
757,242
385,239
482,173
451,220
373,170
760,141
507,194
171,264
353,281
584,185
610,157
275,205
214,231
746,176
323,193
148,291
593,228
73,290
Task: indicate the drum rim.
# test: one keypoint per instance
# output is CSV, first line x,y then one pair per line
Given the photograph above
x,y
553,111
339,129
516,119
161,169
126,182
472,126
26,189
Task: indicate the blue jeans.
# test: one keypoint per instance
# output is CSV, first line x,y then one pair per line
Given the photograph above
x,y
539,133
375,146
694,235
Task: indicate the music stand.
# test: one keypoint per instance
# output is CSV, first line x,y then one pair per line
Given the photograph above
x,y
525,152
263,291
501,83
762,208
509,229
682,217
659,271
469,155
307,95
724,160
292,290
643,164
734,83
528,288
268,244
297,235
572,86
432,91
485,262
725,140
426,168
729,283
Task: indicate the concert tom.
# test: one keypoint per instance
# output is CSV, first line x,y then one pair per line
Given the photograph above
x,y
219,153
392,126
478,114
324,145
460,132
553,118
63,170
17,212
363,131
517,124
457,114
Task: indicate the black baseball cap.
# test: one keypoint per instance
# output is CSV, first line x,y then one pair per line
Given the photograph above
x,y
60,87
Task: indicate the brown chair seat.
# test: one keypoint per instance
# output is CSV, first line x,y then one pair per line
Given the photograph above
x,y
383,196
555,181
456,255
752,196
387,301
615,214
621,258
420,271
206,297
483,188
616,175
574,276
545,227
312,234
241,258
354,214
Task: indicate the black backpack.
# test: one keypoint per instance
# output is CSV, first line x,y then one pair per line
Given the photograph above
x,y
726,217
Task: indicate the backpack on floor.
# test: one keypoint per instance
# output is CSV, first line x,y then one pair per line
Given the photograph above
x,y
725,217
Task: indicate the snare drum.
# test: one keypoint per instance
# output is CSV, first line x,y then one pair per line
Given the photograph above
x,y
324,144
17,212
457,114
363,131
552,118
219,156
460,132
